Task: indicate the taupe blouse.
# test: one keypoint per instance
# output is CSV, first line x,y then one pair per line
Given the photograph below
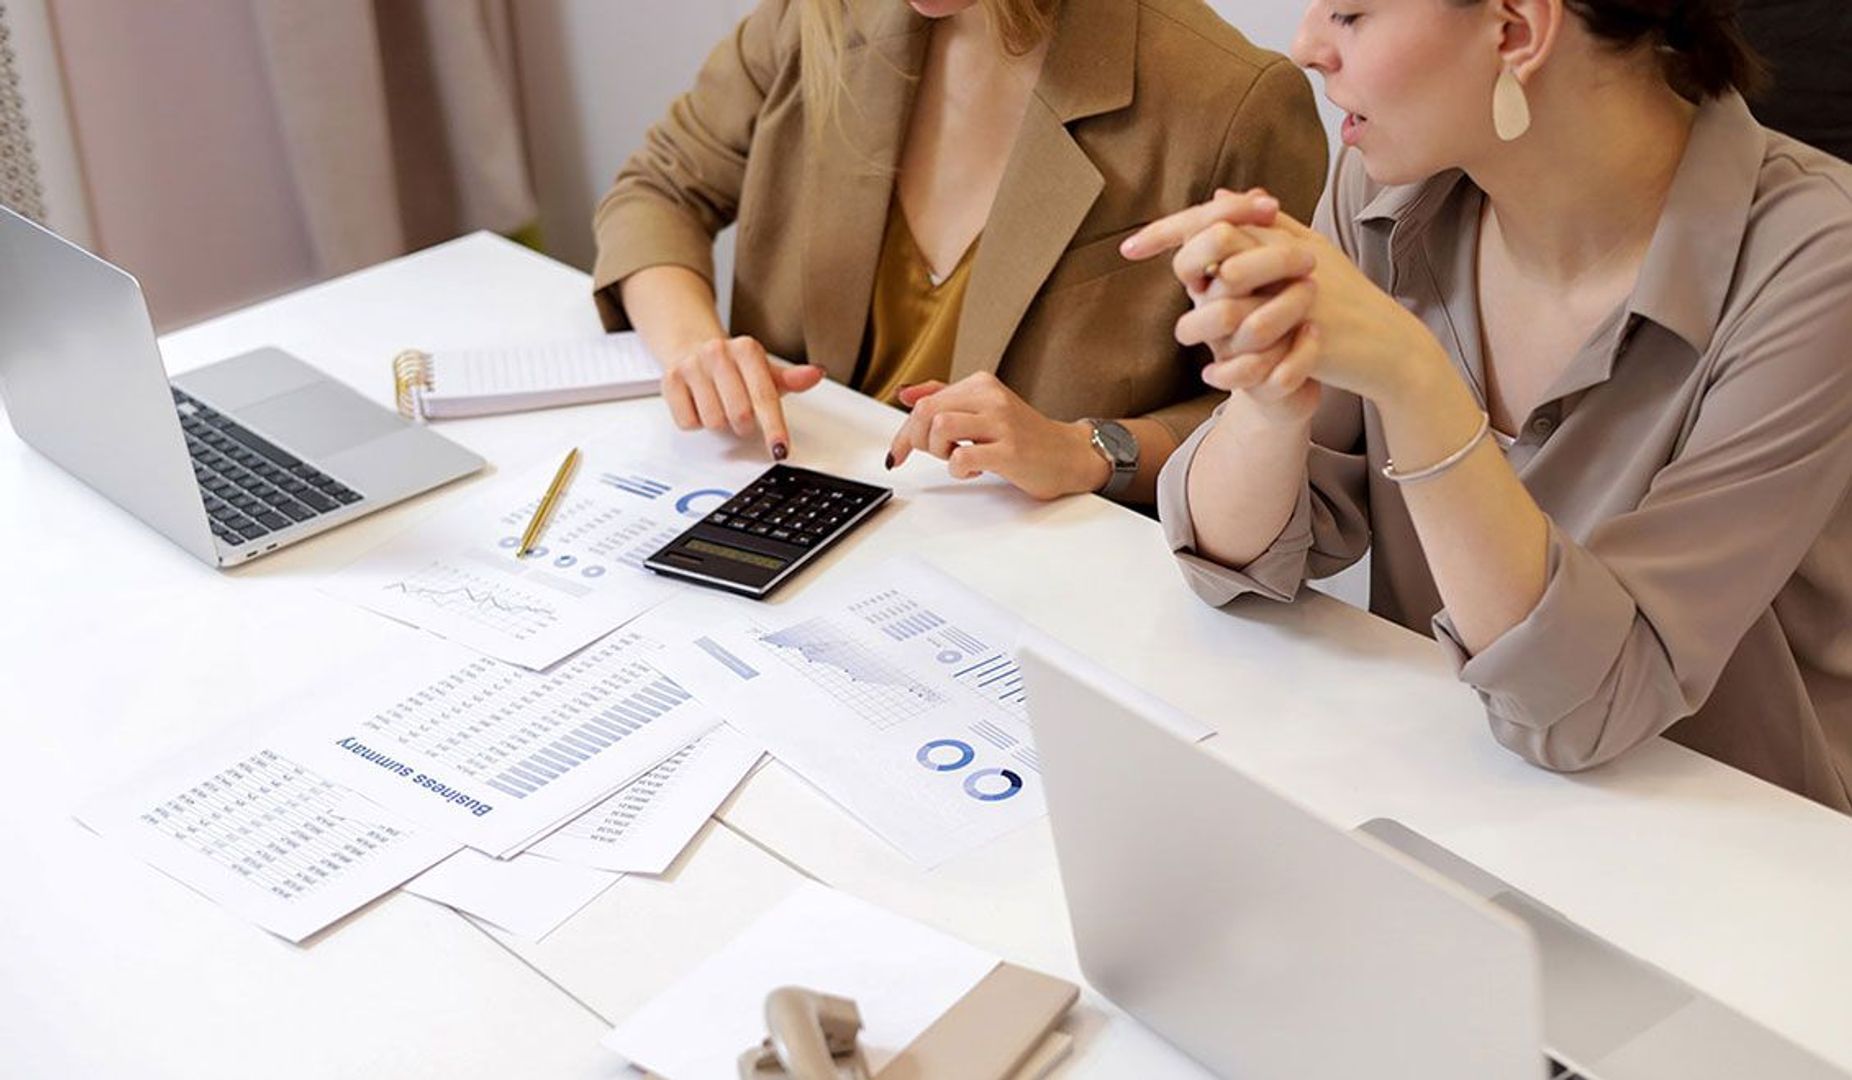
x,y
1693,460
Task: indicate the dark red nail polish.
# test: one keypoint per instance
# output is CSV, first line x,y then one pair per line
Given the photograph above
x,y
780,451
890,459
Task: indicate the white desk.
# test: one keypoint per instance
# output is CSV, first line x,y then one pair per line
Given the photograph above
x,y
112,637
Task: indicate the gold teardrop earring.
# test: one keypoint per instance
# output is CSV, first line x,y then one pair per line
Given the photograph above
x,y
1510,108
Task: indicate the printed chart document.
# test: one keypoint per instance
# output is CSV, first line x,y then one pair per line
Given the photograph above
x,y
458,576
902,976
898,697
256,832
643,827
526,896
492,755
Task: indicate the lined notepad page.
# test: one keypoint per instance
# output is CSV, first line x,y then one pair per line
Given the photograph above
x,y
475,382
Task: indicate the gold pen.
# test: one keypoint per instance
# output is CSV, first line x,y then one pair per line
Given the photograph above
x,y
547,502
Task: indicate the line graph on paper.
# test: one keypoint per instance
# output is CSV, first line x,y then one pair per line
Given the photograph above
x,y
473,598
852,673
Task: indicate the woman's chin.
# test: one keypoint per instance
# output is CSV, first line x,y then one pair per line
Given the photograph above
x,y
1389,173
939,9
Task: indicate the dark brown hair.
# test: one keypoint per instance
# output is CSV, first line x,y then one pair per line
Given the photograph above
x,y
1701,50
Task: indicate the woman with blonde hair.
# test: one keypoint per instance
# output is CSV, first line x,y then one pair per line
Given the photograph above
x,y
930,197
1568,356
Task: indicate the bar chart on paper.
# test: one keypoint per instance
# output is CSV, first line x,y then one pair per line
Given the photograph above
x,y
496,756
647,823
985,669
901,701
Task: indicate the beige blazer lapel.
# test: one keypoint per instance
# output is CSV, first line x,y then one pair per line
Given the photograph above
x,y
848,180
1049,184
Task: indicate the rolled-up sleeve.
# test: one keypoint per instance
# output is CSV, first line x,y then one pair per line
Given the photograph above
x,y
1327,531
675,194
1638,621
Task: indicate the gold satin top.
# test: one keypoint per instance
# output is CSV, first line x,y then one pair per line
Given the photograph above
x,y
913,321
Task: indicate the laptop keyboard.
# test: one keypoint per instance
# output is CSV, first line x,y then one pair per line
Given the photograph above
x,y
250,486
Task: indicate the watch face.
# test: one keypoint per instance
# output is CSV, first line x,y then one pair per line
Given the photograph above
x,y
1119,443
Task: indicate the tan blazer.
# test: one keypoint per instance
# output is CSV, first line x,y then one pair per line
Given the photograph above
x,y
1143,107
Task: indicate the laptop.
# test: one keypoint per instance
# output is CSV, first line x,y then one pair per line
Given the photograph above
x,y
231,461
1266,943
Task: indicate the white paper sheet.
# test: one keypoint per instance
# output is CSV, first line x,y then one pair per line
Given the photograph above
x,y
643,827
902,976
264,837
492,755
458,576
894,693
527,896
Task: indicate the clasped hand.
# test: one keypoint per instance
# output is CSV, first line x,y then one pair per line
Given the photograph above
x,y
1282,311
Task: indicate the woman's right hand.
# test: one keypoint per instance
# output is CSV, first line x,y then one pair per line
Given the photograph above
x,y
1249,300
731,383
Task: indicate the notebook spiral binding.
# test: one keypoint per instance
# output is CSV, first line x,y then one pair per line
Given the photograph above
x,y
411,377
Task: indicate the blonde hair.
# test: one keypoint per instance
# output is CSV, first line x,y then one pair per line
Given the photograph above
x,y
823,29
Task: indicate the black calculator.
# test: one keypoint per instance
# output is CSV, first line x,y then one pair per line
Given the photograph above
x,y
760,537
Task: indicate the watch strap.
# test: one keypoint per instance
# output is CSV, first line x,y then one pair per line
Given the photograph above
x,y
1123,468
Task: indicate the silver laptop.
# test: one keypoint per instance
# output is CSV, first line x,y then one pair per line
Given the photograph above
x,y
231,461
1267,943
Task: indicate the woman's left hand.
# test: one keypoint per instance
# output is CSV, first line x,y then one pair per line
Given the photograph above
x,y
978,425
1368,343
1248,311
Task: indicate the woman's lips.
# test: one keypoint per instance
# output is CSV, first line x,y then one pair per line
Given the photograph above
x,y
1353,128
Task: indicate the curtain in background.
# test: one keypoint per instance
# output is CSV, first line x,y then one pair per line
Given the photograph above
x,y
19,172
399,120
233,149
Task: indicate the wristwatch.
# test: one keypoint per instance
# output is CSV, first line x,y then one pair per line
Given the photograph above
x,y
1120,449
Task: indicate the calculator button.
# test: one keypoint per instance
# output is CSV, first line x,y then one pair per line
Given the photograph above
x,y
802,540
781,534
760,529
719,518
740,524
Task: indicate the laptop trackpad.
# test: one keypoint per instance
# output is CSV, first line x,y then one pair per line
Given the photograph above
x,y
319,420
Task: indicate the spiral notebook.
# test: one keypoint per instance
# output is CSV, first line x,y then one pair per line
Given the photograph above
x,y
482,382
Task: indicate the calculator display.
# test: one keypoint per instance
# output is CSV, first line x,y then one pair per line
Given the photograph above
x,y
751,558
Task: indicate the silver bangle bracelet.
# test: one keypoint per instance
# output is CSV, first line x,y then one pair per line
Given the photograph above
x,y
1448,462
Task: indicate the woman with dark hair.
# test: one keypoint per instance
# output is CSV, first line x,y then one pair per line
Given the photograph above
x,y
1568,354
930,197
